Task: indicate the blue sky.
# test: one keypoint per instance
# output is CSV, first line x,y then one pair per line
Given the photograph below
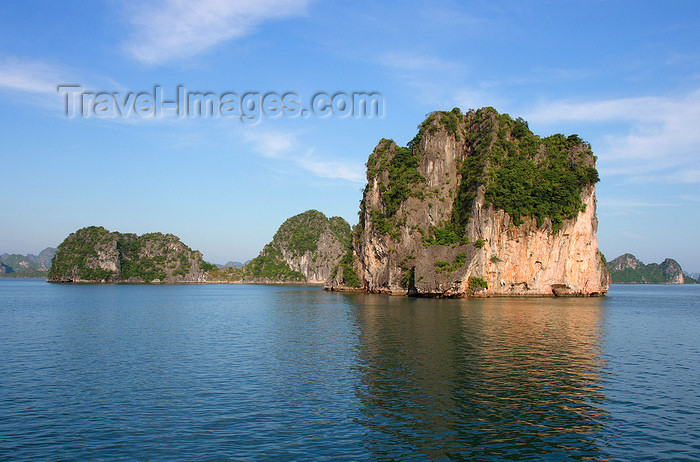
x,y
624,75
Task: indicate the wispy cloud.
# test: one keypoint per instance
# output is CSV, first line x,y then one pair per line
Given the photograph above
x,y
659,142
272,145
331,168
687,175
285,146
173,29
406,61
36,83
689,198
29,76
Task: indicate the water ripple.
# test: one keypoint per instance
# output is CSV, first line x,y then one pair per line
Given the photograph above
x,y
294,373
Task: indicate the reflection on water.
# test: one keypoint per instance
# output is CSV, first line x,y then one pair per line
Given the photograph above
x,y
504,378
208,372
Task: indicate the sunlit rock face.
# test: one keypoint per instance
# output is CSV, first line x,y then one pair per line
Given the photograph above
x,y
306,248
477,205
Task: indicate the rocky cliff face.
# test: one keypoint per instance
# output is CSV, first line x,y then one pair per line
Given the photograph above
x,y
95,254
623,262
43,260
626,269
673,271
306,248
30,265
477,205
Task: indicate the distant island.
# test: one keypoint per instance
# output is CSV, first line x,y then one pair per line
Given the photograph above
x,y
695,276
235,264
94,254
26,266
627,269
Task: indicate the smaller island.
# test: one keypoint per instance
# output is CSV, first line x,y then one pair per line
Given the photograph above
x,y
94,254
306,248
627,269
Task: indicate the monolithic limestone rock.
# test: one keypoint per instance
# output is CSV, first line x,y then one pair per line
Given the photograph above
x,y
477,205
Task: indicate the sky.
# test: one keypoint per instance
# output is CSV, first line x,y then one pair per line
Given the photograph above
x,y
623,75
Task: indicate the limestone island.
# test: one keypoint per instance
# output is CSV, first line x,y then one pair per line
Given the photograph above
x,y
477,205
94,254
627,269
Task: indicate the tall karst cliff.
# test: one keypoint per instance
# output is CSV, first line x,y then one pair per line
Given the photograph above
x,y
477,205
305,248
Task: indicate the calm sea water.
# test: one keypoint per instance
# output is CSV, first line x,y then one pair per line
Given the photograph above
x,y
217,372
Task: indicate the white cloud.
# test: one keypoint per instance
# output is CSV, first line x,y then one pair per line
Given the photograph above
x,y
331,168
29,76
273,145
36,83
285,147
687,175
170,29
660,141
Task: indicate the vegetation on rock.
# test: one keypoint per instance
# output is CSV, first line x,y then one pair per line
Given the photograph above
x,y
348,272
396,171
445,235
447,268
424,199
477,283
271,266
301,233
96,254
295,250
523,174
